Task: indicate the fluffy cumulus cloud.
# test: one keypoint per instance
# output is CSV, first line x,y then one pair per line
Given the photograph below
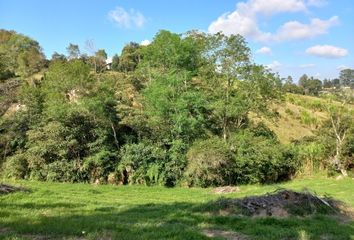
x,y
327,51
264,50
244,20
145,42
296,30
127,19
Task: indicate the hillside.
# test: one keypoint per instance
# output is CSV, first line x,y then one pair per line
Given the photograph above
x,y
298,116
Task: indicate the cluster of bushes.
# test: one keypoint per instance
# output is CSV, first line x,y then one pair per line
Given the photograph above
x,y
247,158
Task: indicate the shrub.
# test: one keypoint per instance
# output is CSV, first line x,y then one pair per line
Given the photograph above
x,y
60,171
261,160
142,163
210,163
98,166
176,162
16,167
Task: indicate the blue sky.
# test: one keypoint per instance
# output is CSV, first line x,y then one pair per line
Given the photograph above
x,y
291,36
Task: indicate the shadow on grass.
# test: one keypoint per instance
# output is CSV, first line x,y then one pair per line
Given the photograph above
x,y
159,221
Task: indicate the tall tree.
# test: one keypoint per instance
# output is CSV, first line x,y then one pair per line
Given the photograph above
x,y
20,55
101,57
115,62
130,57
346,77
341,127
73,51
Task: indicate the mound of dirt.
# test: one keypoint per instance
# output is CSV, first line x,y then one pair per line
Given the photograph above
x,y
6,189
283,203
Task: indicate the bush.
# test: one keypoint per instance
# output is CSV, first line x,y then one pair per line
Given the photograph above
x,y
210,163
98,166
61,172
261,160
16,167
176,162
142,163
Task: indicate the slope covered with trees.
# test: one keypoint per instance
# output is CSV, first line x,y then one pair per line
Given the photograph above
x,y
190,109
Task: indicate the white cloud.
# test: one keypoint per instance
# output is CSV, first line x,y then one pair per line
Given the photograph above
x,y
264,50
296,30
341,67
127,19
310,65
244,20
275,65
327,51
145,42
271,7
316,3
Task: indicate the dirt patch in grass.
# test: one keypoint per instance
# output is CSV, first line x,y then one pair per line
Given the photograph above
x,y
6,189
283,203
229,235
226,189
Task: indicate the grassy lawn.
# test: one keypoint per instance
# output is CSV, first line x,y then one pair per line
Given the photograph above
x,y
83,211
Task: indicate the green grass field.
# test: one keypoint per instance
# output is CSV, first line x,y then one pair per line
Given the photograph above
x,y
83,211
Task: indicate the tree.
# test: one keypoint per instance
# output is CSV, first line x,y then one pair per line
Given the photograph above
x,y
235,85
310,85
290,86
115,62
341,126
20,55
130,57
58,57
175,107
101,57
346,77
73,51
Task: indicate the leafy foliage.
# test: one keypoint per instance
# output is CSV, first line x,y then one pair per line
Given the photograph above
x,y
175,111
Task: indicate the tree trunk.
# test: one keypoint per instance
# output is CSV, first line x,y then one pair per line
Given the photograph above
x,y
115,136
337,162
5,150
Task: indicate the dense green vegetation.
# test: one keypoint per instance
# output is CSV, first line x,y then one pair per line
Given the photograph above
x,y
176,112
82,211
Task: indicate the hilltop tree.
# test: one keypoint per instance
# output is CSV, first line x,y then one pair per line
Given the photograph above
x,y
115,62
73,51
20,55
130,57
346,77
101,57
235,85
58,57
310,85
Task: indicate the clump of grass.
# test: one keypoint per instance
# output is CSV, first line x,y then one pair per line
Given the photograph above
x,y
307,119
289,112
